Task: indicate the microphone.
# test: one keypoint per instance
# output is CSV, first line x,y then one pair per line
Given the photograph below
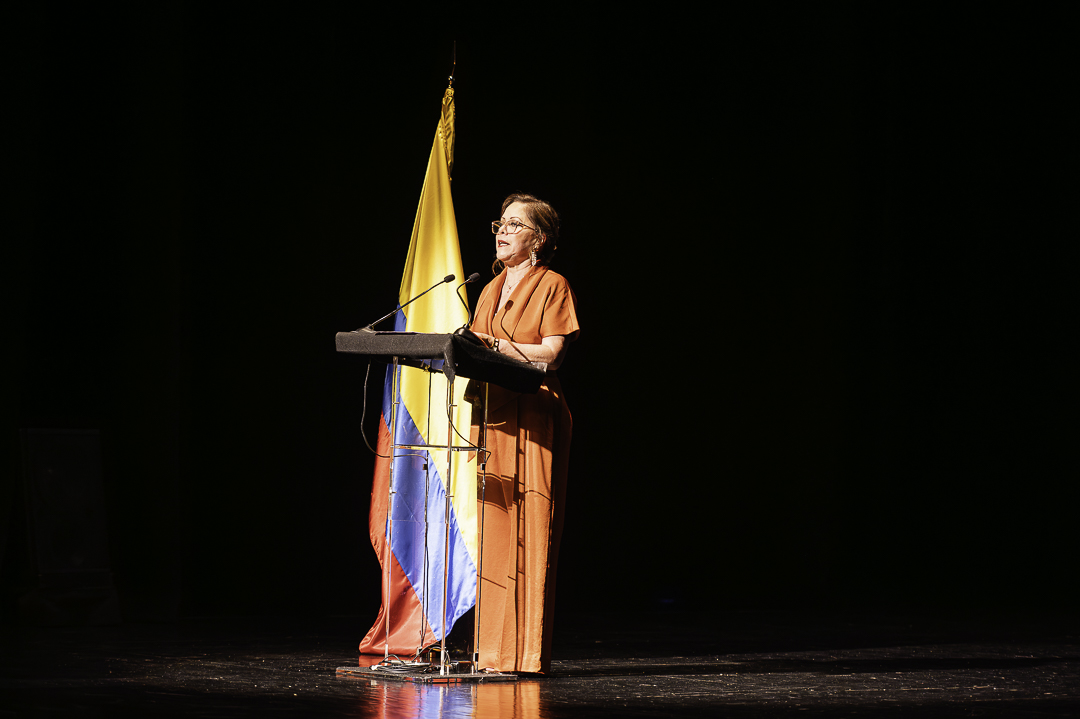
x,y
506,308
464,330
444,280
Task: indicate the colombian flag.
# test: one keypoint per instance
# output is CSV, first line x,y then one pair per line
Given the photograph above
x,y
407,527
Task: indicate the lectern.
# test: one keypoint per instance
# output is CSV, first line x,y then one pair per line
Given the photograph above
x,y
454,356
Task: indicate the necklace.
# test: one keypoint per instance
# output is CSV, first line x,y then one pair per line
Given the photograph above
x,y
507,290
507,287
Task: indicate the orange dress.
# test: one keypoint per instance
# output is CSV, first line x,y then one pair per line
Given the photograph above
x,y
522,505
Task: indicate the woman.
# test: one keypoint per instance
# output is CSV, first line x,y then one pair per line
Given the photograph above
x,y
527,312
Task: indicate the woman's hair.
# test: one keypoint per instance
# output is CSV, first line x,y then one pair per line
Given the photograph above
x,y
540,215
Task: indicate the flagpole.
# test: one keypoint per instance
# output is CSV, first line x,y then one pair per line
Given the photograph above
x,y
453,63
444,667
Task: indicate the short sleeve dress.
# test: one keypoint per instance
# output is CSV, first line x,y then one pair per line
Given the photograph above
x,y
521,506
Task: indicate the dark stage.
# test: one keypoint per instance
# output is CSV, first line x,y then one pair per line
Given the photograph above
x,y
748,664
824,398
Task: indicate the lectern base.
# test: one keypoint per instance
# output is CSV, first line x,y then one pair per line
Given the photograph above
x,y
427,674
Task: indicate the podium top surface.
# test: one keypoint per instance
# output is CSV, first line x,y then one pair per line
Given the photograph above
x,y
457,356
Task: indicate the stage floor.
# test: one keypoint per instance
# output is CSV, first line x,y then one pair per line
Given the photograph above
x,y
748,664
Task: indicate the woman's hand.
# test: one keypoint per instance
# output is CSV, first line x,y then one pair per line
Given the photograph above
x,y
551,350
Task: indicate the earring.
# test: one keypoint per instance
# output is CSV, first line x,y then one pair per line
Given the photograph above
x,y
535,247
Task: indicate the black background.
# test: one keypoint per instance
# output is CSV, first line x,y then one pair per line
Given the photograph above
x,y
818,255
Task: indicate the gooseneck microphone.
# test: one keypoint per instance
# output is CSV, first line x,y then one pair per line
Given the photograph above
x,y
444,280
464,330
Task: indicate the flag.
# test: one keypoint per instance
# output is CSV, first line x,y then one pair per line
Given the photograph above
x,y
413,516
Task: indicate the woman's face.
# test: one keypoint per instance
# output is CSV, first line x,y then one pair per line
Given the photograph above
x,y
514,249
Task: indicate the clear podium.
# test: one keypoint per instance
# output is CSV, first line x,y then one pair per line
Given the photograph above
x,y
454,356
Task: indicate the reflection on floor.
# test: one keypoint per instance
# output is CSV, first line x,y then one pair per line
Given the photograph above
x,y
650,665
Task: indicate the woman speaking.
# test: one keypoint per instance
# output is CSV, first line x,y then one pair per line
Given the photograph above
x,y
529,313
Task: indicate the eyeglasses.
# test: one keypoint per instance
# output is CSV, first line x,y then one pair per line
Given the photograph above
x,y
512,227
